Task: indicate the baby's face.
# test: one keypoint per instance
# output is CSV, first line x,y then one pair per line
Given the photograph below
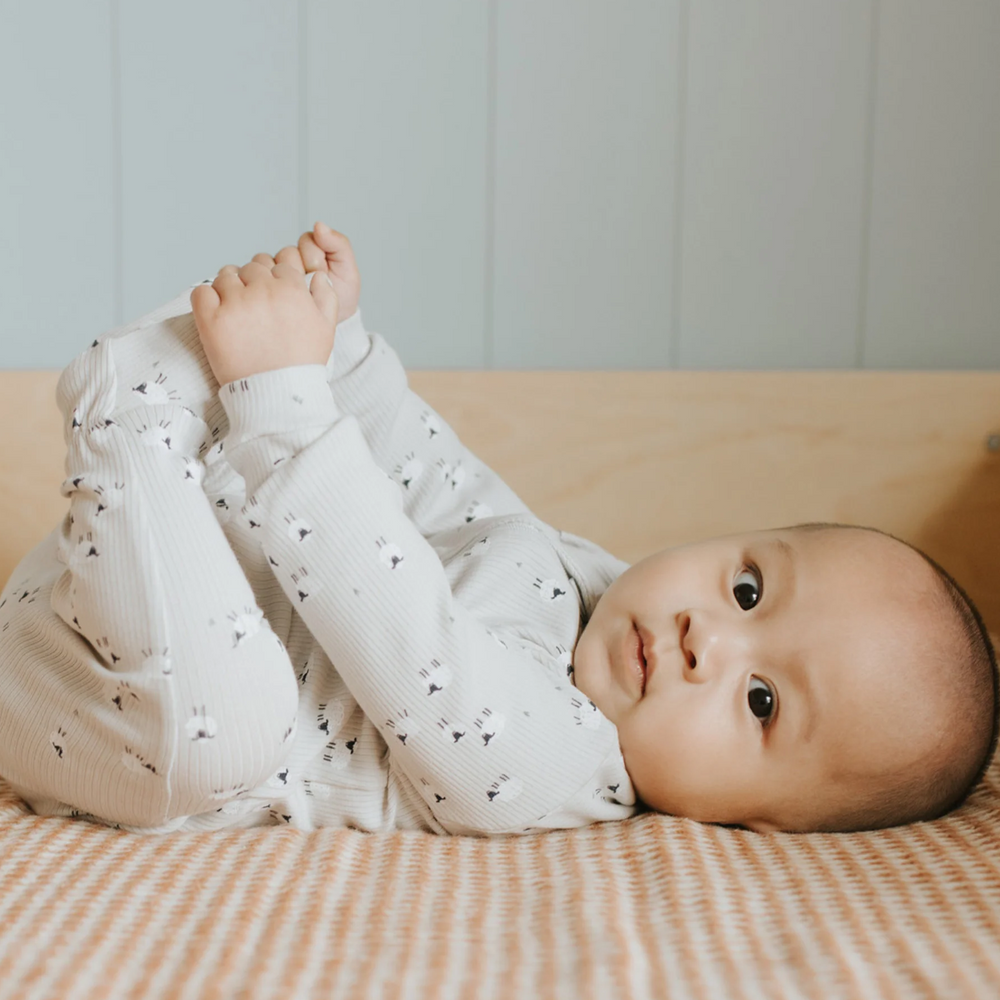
x,y
783,668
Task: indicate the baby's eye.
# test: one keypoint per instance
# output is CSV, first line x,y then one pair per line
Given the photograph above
x,y
762,700
747,587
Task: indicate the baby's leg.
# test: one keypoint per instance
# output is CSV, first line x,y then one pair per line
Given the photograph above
x,y
139,681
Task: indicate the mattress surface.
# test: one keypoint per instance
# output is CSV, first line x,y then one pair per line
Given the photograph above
x,y
652,907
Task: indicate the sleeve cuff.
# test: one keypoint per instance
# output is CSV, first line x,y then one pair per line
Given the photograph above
x,y
353,322
350,347
278,401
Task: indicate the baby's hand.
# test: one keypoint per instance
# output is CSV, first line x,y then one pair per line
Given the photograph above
x,y
257,318
324,249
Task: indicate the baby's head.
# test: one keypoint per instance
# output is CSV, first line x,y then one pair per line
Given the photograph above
x,y
820,677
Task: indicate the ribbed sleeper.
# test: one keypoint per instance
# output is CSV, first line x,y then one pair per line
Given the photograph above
x,y
294,599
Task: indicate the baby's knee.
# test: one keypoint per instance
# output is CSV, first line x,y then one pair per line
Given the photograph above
x,y
181,734
233,738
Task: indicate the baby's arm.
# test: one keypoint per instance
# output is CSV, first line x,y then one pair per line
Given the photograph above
x,y
374,593
443,483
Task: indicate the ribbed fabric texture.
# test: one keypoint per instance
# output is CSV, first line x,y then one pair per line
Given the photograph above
x,y
294,599
652,907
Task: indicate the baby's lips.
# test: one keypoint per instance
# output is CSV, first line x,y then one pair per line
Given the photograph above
x,y
648,649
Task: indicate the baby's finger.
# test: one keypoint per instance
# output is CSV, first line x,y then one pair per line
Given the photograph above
x,y
228,282
204,302
312,256
329,240
264,258
287,272
291,256
254,272
325,297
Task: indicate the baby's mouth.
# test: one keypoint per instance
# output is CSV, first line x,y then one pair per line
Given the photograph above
x,y
646,647
641,656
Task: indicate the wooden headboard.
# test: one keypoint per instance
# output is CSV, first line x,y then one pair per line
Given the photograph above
x,y
638,461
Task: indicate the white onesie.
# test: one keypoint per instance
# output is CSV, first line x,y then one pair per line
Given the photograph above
x,y
294,599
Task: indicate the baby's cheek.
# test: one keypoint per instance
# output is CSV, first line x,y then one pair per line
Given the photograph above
x,y
652,746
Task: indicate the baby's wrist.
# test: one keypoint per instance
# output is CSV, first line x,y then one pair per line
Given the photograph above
x,y
277,401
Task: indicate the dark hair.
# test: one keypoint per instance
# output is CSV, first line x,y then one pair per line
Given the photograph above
x,y
929,797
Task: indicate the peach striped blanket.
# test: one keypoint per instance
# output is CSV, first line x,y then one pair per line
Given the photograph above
x,y
652,907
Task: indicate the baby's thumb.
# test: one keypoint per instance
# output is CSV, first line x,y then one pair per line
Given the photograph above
x,y
326,298
327,239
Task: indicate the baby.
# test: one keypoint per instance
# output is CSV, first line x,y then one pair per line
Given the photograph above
x,y
286,593
820,677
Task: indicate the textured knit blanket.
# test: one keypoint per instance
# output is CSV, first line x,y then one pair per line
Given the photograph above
x,y
652,907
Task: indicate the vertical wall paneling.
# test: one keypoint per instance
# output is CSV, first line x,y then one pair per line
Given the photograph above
x,y
397,144
934,289
677,256
586,152
302,76
489,207
209,140
57,255
564,184
774,174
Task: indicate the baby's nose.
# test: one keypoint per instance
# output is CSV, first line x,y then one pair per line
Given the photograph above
x,y
710,645
684,627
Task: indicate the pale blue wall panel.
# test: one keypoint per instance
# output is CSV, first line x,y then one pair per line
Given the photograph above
x,y
774,182
396,112
573,183
57,197
586,127
934,288
210,140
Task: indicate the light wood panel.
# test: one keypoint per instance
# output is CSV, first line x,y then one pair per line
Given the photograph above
x,y
642,460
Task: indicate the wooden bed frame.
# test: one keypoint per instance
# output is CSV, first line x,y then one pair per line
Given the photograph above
x,y
638,461
654,906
